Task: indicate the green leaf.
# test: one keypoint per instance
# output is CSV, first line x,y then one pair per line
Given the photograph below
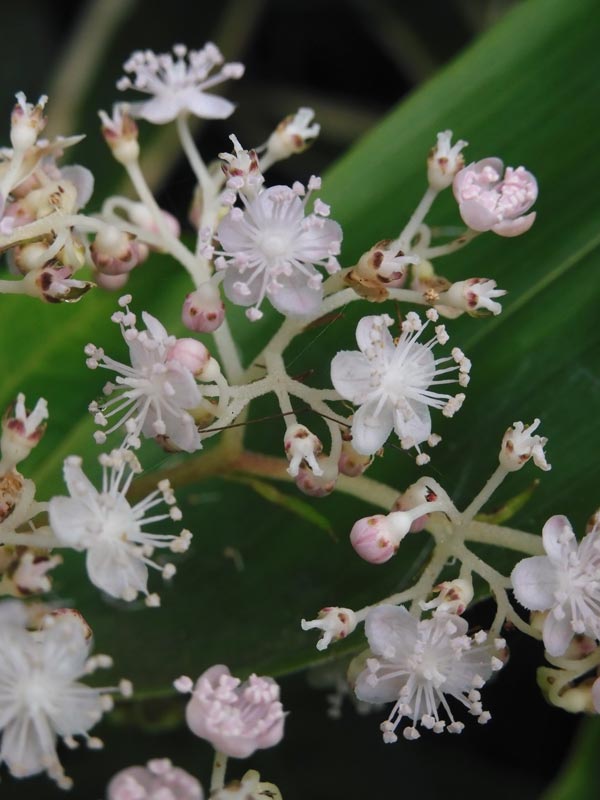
x,y
539,358
580,777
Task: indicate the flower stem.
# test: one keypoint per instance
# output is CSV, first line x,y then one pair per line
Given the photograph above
x,y
484,495
451,247
217,778
403,241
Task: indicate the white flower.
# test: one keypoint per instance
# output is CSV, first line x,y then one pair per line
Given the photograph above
x,y
271,247
419,663
112,531
154,393
565,582
391,381
335,622
41,697
178,83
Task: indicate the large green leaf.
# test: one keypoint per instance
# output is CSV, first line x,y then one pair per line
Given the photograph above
x,y
580,778
512,94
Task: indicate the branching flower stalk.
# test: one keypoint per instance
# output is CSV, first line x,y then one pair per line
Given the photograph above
x,y
259,245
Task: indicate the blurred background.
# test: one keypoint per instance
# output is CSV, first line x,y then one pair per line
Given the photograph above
x,y
351,61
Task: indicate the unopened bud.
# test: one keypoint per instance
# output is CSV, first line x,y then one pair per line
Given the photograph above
x,y
416,495
318,485
376,539
191,353
121,134
112,283
475,295
453,597
352,463
293,135
203,310
113,252
445,161
52,283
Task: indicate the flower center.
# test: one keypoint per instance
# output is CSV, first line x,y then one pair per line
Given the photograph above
x,y
274,245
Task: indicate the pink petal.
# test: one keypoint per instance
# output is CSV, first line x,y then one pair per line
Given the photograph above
x,y
296,298
514,227
476,216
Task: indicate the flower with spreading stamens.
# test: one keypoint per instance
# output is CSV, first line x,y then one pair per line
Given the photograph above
x,y
177,83
41,696
271,248
565,582
391,381
417,664
113,532
155,393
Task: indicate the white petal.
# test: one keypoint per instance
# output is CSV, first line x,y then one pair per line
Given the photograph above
x,y
351,376
515,227
551,533
534,582
21,747
77,482
296,298
373,325
417,427
159,110
156,329
390,626
207,106
596,695
113,569
68,520
370,432
233,292
187,392
557,634
76,713
83,180
384,691
477,216
317,242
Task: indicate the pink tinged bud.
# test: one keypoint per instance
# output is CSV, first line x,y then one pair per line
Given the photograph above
x,y
293,135
27,122
445,161
475,295
314,485
22,430
121,134
416,495
140,215
488,200
112,283
31,574
158,780
376,539
113,252
351,463
203,310
336,623
53,284
236,718
453,597
518,446
192,354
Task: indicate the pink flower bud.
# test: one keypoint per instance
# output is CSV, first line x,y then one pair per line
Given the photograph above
x,y
487,200
158,779
352,463
377,538
317,485
236,718
52,283
112,283
191,353
140,215
121,133
203,310
114,253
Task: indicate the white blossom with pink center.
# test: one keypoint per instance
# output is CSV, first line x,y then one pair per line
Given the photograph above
x,y
565,582
178,83
418,664
236,718
491,201
391,381
271,248
153,396
158,780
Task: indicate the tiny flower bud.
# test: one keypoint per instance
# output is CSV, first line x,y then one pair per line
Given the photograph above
x,y
293,135
453,597
53,284
191,353
121,134
352,463
203,310
113,251
30,256
336,623
377,538
21,431
473,295
518,446
444,161
112,283
241,170
416,495
302,447
27,122
317,485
